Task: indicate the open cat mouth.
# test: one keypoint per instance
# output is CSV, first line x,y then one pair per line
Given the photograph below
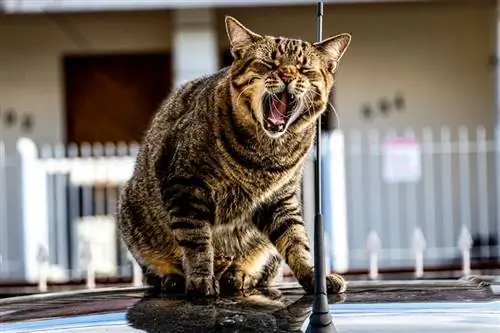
x,y
277,110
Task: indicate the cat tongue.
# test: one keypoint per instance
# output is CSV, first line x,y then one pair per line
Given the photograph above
x,y
277,112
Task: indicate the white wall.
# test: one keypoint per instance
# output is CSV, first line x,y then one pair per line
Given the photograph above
x,y
435,54
31,53
35,6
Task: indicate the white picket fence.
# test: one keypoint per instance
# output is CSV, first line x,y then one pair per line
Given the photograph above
x,y
400,185
65,198
390,200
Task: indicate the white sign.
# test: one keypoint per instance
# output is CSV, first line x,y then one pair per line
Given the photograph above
x,y
402,161
100,233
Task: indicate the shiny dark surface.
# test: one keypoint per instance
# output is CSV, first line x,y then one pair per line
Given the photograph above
x,y
388,306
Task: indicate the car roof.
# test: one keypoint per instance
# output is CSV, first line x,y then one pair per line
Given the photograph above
x,y
464,305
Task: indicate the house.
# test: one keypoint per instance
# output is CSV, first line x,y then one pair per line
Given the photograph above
x,y
437,56
87,71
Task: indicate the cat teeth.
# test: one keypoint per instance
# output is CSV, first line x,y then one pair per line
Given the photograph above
x,y
270,128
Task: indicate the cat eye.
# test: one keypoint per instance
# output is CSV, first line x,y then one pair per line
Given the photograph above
x,y
261,66
311,73
306,69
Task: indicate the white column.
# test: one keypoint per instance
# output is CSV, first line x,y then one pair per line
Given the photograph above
x,y
497,127
195,44
308,204
34,205
335,201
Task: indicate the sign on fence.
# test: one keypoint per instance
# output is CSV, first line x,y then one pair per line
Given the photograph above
x,y
402,161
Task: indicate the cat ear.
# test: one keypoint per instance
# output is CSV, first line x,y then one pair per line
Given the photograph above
x,y
239,36
333,49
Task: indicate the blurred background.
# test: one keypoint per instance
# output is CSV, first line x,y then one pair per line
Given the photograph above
x,y
411,166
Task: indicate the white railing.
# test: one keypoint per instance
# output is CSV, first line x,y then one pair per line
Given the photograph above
x,y
400,184
66,195
389,200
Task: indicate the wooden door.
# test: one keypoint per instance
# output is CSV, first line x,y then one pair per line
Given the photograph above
x,y
113,97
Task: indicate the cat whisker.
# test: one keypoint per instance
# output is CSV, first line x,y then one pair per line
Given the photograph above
x,y
309,104
337,117
239,95
264,97
251,78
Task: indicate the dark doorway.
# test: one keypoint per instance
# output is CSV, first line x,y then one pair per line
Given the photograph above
x,y
113,97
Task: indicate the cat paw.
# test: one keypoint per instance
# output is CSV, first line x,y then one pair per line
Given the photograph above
x,y
173,284
170,284
234,280
201,286
335,283
221,265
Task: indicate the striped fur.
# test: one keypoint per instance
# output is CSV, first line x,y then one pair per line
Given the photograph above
x,y
212,203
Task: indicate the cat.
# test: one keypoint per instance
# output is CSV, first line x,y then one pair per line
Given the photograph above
x,y
212,202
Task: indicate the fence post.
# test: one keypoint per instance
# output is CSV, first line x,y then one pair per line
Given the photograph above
x,y
464,169
465,245
88,261
373,246
43,265
419,245
136,271
34,207
430,186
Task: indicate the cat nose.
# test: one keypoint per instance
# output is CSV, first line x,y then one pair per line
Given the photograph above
x,y
287,73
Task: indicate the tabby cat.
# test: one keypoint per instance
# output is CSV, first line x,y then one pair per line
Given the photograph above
x,y
212,204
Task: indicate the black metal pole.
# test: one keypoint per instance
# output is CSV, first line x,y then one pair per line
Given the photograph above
x,y
320,320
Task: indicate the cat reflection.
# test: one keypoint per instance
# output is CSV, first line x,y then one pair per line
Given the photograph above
x,y
266,310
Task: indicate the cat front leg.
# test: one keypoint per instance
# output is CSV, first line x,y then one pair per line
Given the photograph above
x,y
190,220
282,221
195,240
